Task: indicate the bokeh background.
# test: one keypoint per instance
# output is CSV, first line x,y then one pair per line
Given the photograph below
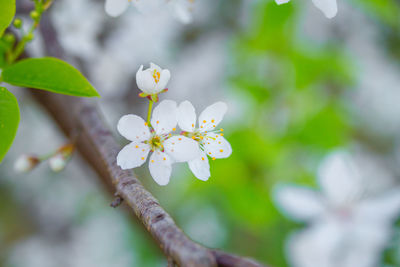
x,y
299,87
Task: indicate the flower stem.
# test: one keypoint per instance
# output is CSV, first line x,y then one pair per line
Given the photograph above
x,y
149,111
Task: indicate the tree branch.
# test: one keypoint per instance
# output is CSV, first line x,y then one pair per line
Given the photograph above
x,y
98,147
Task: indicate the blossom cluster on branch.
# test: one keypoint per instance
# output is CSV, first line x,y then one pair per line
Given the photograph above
x,y
159,135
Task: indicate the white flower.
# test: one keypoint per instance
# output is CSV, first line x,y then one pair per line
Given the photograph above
x,y
328,7
166,148
57,163
152,80
182,9
211,142
25,163
348,228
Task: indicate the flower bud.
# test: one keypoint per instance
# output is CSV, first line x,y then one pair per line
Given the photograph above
x,y
57,162
152,80
26,163
35,15
9,38
17,23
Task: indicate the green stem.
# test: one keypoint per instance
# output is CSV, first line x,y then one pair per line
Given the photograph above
x,y
21,45
149,111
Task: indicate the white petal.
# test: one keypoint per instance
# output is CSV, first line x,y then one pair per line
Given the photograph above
x,y
160,167
279,2
212,116
164,116
216,146
200,167
299,203
165,75
340,179
182,148
133,155
145,81
186,116
155,67
133,128
182,10
115,8
383,208
328,7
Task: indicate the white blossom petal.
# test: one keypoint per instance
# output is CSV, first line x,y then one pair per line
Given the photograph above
x,y
160,166
145,81
155,67
299,203
340,179
382,209
279,2
165,75
133,128
328,7
212,116
182,10
133,155
115,8
164,118
182,148
186,116
216,146
200,167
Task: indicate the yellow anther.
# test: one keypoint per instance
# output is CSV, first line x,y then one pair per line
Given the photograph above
x,y
202,158
201,137
221,130
204,121
212,120
219,142
221,134
209,153
143,150
145,124
179,139
156,76
192,125
193,137
213,158
137,146
221,150
173,129
164,159
214,126
152,161
157,122
142,158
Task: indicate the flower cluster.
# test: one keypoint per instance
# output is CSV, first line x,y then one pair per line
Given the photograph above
x,y
159,135
328,7
347,226
182,9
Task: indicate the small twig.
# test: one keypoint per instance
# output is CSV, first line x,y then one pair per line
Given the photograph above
x,y
171,262
117,201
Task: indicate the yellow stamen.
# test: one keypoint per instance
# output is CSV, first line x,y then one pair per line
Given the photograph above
x,y
213,158
156,76
173,129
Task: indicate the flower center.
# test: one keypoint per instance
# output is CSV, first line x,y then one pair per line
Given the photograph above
x,y
155,143
156,76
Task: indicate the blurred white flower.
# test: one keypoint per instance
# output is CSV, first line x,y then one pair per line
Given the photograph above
x,y
152,80
166,149
211,142
328,7
182,9
57,163
26,163
347,227
79,22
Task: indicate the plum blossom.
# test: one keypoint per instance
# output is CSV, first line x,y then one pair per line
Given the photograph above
x,y
328,7
26,163
211,141
152,80
182,9
347,227
166,149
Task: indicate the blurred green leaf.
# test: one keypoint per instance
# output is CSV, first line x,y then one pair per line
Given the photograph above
x,y
7,12
50,74
9,120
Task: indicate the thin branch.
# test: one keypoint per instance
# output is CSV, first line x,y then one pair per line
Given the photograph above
x,y
99,148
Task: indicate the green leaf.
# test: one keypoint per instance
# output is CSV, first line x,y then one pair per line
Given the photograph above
x,y
7,12
50,74
9,120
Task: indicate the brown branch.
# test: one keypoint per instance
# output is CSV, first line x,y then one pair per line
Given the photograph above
x,y
98,147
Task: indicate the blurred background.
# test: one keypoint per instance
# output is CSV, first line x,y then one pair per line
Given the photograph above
x,y
300,88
